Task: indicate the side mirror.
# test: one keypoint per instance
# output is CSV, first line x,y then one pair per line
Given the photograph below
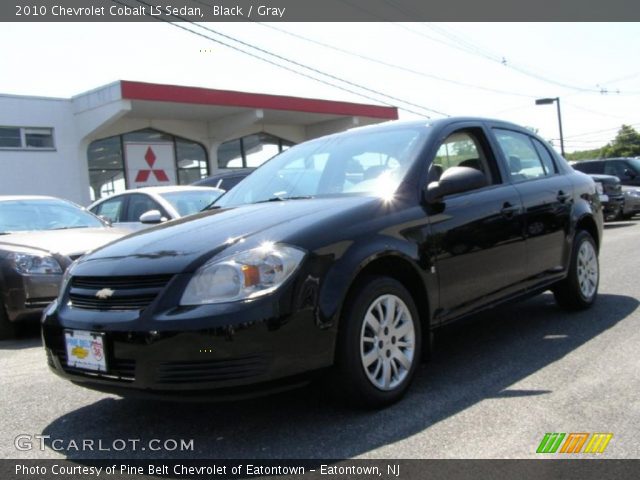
x,y
152,216
630,173
105,220
454,180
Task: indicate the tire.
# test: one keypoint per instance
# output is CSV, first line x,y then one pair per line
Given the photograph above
x,y
580,289
376,365
7,328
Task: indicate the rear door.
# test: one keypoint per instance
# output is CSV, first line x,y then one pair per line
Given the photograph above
x,y
547,196
476,236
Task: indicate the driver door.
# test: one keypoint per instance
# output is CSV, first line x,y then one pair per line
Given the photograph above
x,y
477,236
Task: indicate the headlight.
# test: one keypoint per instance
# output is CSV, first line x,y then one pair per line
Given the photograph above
x,y
599,188
30,264
633,193
65,280
242,276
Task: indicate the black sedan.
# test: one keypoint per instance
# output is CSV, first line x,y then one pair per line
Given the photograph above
x,y
343,253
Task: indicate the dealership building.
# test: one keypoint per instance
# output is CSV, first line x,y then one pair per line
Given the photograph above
x,y
132,134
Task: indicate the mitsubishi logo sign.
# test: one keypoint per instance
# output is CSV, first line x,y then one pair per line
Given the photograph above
x,y
150,163
143,175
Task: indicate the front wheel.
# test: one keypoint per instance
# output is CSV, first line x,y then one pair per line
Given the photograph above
x,y
580,289
379,345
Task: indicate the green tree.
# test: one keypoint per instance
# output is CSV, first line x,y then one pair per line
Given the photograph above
x,y
626,144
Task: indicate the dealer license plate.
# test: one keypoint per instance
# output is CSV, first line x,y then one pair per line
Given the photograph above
x,y
85,350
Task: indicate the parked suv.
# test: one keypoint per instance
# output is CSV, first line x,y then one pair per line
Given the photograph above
x,y
627,170
341,253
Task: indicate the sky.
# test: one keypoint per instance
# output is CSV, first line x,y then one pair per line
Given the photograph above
x,y
493,70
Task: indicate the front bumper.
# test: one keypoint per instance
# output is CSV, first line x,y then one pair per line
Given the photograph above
x,y
26,296
614,207
206,352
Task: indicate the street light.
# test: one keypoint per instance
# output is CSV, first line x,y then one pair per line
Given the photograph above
x,y
548,101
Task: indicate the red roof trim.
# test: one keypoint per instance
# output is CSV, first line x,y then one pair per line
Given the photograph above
x,y
206,96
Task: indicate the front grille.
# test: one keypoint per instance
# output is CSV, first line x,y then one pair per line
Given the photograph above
x,y
211,370
612,189
119,293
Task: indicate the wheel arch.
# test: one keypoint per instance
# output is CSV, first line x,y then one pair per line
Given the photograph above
x,y
395,265
588,224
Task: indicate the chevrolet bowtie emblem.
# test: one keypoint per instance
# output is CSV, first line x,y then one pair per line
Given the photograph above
x,y
104,293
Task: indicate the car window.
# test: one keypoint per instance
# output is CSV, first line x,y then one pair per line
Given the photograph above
x,y
547,160
111,209
460,149
588,167
187,202
619,169
43,214
523,162
140,203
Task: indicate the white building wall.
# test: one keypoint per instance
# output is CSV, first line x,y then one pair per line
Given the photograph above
x,y
60,172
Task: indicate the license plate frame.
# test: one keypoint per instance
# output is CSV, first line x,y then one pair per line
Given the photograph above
x,y
86,350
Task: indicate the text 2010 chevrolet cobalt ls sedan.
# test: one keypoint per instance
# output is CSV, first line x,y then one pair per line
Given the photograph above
x,y
342,252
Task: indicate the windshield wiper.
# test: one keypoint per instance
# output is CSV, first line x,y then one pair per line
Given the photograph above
x,y
282,199
211,206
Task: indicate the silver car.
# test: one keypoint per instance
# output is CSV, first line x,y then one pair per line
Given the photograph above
x,y
136,209
39,238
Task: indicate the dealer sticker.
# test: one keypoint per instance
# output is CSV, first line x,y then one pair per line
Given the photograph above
x,y
85,350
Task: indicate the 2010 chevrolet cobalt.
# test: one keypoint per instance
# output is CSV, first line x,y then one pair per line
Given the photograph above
x,y
343,252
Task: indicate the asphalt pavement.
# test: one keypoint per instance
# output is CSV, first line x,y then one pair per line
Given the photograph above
x,y
494,387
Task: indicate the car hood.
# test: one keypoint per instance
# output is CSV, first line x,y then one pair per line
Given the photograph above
x,y
604,178
71,243
183,245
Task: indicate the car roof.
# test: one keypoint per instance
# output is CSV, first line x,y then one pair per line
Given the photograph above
x,y
166,189
4,198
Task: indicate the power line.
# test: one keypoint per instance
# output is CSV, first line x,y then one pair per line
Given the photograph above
x,y
298,64
601,131
393,65
472,49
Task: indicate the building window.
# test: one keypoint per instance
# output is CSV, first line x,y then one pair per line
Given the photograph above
x,y
250,151
28,138
115,163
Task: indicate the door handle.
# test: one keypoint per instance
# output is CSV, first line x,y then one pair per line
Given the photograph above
x,y
563,197
508,209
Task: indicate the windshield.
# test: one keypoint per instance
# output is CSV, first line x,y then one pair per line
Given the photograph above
x,y
44,214
191,201
373,162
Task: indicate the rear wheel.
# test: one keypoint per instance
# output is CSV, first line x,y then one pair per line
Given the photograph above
x,y
379,343
580,289
7,328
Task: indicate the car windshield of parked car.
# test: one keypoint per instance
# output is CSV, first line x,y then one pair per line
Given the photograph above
x,y
193,201
45,214
369,162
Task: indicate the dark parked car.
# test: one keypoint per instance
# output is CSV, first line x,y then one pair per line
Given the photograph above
x,y
626,169
39,238
612,197
311,263
225,179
